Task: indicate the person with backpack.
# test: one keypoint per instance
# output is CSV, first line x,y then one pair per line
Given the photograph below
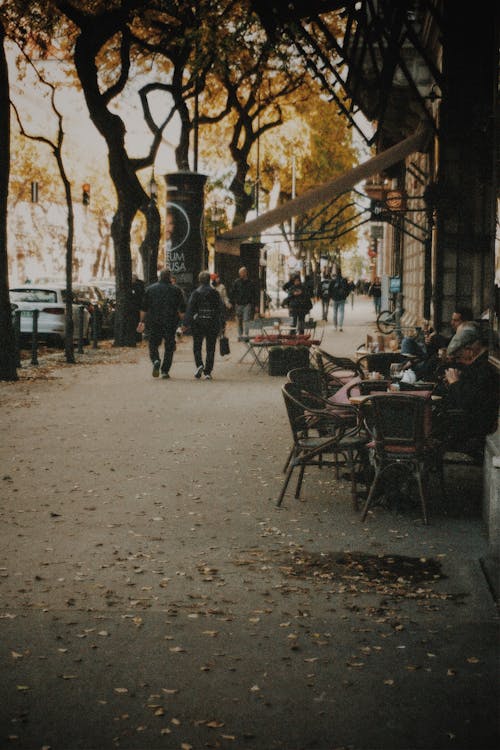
x,y
205,318
324,288
339,291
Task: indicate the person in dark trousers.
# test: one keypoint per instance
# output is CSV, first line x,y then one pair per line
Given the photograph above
x,y
245,300
339,291
324,293
298,302
205,317
375,292
162,308
138,289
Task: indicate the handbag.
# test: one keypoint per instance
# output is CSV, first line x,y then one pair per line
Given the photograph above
x,y
224,346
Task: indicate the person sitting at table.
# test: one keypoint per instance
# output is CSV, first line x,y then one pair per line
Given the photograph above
x,y
425,358
470,390
462,322
299,303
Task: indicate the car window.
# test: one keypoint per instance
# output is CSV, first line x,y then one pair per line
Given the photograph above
x,y
33,295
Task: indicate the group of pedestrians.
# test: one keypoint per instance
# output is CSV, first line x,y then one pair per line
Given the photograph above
x,y
163,313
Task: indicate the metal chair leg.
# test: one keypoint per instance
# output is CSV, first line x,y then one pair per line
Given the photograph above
x,y
354,486
371,493
418,477
290,456
285,485
299,481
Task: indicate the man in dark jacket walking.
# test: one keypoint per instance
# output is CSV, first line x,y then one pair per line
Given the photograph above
x,y
299,303
244,298
162,307
205,317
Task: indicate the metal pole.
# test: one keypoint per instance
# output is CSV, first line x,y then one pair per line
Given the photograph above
x,y
17,336
292,220
34,338
397,315
195,129
80,329
257,176
94,322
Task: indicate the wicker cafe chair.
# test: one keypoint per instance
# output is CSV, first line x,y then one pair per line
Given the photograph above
x,y
313,380
316,389
316,434
400,425
311,327
341,368
380,362
335,380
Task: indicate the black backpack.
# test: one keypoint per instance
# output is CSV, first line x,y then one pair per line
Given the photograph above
x,y
208,309
325,286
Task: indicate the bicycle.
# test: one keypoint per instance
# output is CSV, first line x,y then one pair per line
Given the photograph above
x,y
386,321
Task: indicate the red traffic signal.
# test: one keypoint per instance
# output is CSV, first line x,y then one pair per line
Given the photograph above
x,y
85,193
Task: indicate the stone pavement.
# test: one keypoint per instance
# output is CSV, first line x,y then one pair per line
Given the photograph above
x,y
153,596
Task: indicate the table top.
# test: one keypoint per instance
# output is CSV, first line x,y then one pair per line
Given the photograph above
x,y
422,394
283,340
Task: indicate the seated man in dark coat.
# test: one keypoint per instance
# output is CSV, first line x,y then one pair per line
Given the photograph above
x,y
470,397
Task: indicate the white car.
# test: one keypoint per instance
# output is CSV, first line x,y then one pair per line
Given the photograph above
x,y
50,300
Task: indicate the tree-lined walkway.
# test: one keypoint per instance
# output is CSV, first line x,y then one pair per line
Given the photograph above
x,y
152,596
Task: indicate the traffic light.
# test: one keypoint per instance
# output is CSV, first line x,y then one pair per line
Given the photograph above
x,y
85,193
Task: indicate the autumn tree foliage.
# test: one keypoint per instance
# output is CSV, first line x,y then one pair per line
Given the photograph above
x,y
215,69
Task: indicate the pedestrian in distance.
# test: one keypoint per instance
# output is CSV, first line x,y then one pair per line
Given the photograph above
x,y
338,291
138,289
325,294
298,302
375,292
221,289
245,300
205,318
162,308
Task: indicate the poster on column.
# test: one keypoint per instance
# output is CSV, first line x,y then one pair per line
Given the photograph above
x,y
177,230
185,248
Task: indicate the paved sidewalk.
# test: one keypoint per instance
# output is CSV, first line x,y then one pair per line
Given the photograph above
x,y
153,596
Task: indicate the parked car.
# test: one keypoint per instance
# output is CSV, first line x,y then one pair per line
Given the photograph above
x,y
107,287
50,300
99,304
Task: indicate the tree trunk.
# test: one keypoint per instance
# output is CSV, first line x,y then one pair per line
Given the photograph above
x,y
8,354
150,245
69,348
125,322
130,194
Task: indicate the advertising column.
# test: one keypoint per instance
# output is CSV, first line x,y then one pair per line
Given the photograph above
x,y
185,241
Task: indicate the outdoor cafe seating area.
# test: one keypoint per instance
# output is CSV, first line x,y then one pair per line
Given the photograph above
x,y
365,425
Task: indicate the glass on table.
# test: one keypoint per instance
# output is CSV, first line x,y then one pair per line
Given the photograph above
x,y
396,370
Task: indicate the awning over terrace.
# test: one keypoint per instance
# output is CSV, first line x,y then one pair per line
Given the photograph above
x,y
229,241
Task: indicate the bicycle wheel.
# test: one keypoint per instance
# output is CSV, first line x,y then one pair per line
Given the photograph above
x,y
385,322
